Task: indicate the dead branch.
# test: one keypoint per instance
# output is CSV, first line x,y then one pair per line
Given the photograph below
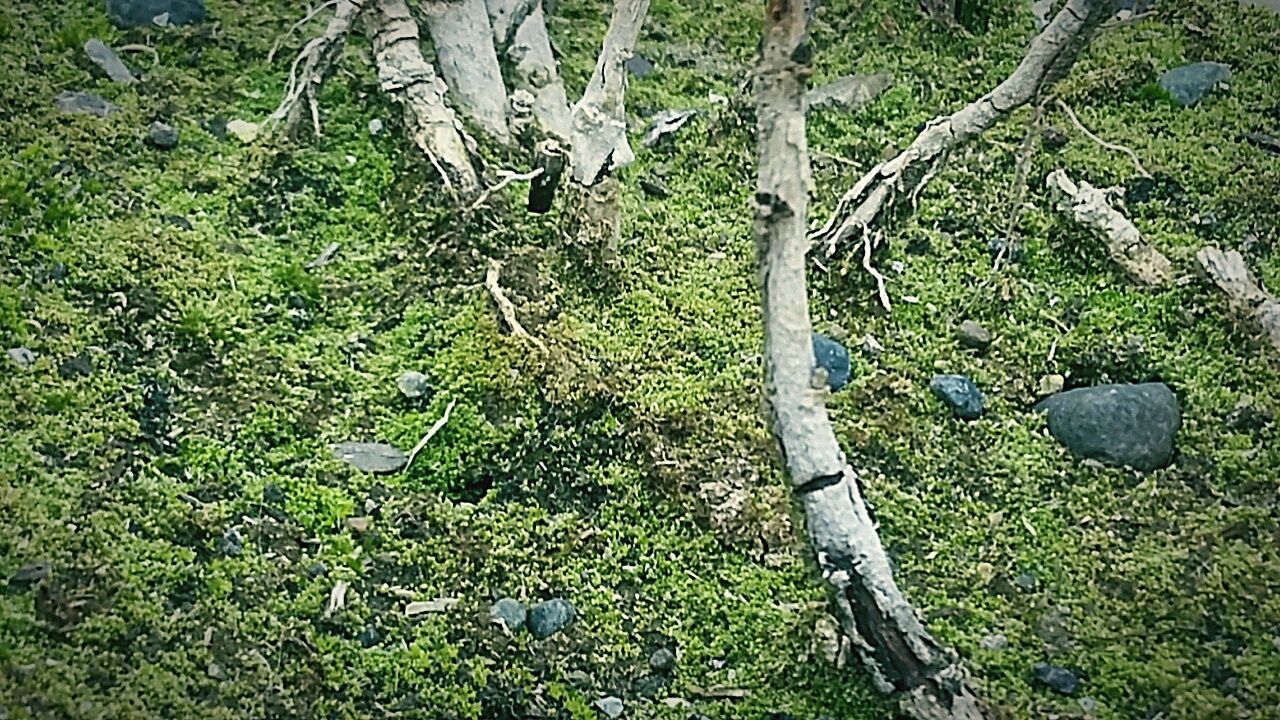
x,y
508,177
1244,294
890,185
311,67
1066,109
435,428
520,36
1089,206
463,42
505,307
275,46
412,82
888,636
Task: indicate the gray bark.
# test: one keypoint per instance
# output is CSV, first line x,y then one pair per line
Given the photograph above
x,y
310,69
1245,295
887,634
520,36
411,81
463,41
1088,206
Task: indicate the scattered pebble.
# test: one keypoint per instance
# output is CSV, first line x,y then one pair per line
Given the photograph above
x,y
654,187
550,617
30,574
834,358
973,335
244,131
358,524
376,458
1190,83
413,384
610,707
1026,581
180,222
24,357
216,671
1058,679
317,569
78,366
232,543
870,346
273,494
107,60
960,395
1050,384
162,135
375,127
1053,138
1088,705
510,613
74,102
369,636
995,642
662,660
160,13
1122,425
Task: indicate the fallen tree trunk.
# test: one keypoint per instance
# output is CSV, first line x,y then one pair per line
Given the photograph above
x,y
463,41
1244,294
1088,206
887,634
882,191
520,36
316,60
413,83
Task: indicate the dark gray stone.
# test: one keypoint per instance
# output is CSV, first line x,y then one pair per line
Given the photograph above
x,y
510,613
413,384
960,395
662,660
30,574
273,494
1189,84
850,92
376,458
834,358
107,61
639,66
972,335
1058,679
654,187
162,135
1026,581
78,366
24,357
1053,138
74,102
136,13
1124,425
550,617
317,569
369,636
179,221
231,544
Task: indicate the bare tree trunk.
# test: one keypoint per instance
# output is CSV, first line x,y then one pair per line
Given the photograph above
x,y
1245,295
887,634
316,59
599,134
412,81
882,190
520,36
463,42
1088,206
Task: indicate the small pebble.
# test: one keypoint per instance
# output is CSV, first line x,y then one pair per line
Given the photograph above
x,y
24,357
509,613
610,707
413,384
995,642
375,127
662,660
1060,680
972,335
550,617
162,135
960,394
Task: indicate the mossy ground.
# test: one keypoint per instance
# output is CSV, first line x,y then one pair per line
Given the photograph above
x,y
607,470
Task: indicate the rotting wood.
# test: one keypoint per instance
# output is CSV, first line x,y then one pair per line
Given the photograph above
x,y
1089,207
1245,294
550,158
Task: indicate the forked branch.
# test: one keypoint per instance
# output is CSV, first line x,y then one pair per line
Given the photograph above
x,y
312,66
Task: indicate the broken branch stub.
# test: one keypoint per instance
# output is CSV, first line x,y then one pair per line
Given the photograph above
x,y
520,37
1089,207
412,82
887,634
890,185
1244,294
310,69
463,42
550,158
598,137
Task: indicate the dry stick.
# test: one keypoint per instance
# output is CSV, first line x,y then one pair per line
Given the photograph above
x,y
435,428
1025,152
275,46
887,634
899,181
1244,294
1088,206
504,304
138,47
508,177
1108,145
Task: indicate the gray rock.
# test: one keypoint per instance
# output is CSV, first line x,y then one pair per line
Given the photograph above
x,y
662,660
162,135
74,102
664,124
870,346
1088,705
995,642
78,366
107,60
413,384
376,458
639,66
232,543
369,636
1053,138
850,92
972,335
317,569
611,707
1189,84
375,127
834,358
30,574
1124,425
273,494
1058,679
138,13
24,357
550,617
1025,581
510,613
960,395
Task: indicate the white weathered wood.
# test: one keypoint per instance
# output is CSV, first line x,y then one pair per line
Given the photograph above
x,y
1089,206
520,36
310,69
884,189
598,137
411,81
1244,294
886,632
463,41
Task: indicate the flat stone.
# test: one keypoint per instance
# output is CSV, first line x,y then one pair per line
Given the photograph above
x,y
107,61
162,13
30,574
870,346
78,366
376,458
162,135
413,384
232,543
960,394
834,358
639,66
550,617
994,642
850,92
973,335
1190,83
243,130
662,660
611,707
358,524
24,357
1122,425
510,613
1059,679
375,126
74,102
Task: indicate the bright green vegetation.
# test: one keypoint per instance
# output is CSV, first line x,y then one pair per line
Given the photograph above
x,y
223,367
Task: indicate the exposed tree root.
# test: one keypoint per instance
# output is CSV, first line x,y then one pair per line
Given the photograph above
x,y
463,41
1088,206
1066,109
505,307
312,66
520,36
892,184
1244,294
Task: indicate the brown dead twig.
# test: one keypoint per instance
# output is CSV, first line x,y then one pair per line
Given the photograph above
x,y
505,307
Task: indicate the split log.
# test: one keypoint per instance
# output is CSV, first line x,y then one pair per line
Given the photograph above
x,y
411,81
1089,206
316,60
463,41
882,191
887,634
1244,294
520,36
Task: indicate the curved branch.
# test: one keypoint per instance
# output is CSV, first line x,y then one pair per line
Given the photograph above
x,y
312,66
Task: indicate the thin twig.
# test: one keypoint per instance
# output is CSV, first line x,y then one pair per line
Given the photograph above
x,y
138,47
504,305
1025,152
508,177
275,47
435,428
1108,145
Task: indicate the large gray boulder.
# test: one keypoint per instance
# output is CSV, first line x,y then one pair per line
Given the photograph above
x,y
141,13
1124,425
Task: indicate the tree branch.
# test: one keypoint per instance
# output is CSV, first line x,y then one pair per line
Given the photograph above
x,y
1245,295
463,41
1088,206
520,36
315,60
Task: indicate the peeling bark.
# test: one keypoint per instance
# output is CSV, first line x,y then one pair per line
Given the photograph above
x,y
411,81
463,41
598,136
1088,206
886,632
316,60
520,36
882,191
1244,294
